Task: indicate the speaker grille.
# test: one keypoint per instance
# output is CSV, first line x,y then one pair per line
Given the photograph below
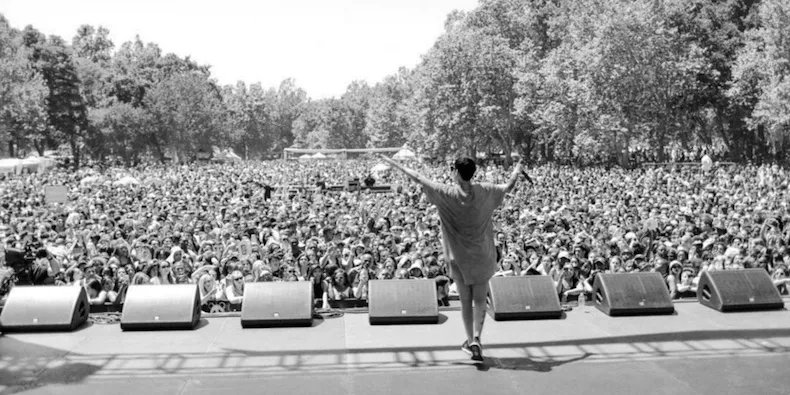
x,y
277,304
632,294
739,290
527,297
154,307
44,308
402,301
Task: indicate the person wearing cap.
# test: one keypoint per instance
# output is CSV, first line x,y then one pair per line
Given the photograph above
x,y
466,211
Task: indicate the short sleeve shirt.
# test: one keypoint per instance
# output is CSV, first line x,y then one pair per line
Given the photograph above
x,y
467,228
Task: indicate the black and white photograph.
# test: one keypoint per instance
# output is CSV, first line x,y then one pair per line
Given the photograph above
x,y
395,197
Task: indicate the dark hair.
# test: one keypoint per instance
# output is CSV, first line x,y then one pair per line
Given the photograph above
x,y
95,285
466,167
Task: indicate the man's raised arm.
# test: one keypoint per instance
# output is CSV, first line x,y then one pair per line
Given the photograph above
x,y
409,172
511,182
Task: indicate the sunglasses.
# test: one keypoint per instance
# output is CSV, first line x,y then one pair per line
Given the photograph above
x,y
164,266
237,279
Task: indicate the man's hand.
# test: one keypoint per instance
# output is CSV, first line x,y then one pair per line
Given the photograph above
x,y
519,167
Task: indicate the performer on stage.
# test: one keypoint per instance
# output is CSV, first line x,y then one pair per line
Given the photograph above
x,y
466,210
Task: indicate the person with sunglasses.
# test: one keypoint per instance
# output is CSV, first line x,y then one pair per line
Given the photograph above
x,y
164,275
235,291
466,210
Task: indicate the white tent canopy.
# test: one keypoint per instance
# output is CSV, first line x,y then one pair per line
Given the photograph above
x,y
31,164
404,153
319,156
10,165
90,180
230,155
128,180
381,167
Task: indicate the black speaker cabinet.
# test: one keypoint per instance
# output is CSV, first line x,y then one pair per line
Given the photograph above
x,y
523,298
738,290
402,302
44,308
270,304
156,307
632,294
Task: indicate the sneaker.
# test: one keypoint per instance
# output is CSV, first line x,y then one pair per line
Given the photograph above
x,y
477,350
465,348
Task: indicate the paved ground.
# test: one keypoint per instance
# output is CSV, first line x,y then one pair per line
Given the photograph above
x,y
695,351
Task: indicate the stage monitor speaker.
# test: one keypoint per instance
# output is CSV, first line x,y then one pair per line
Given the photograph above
x,y
44,308
523,298
738,290
632,294
270,304
156,307
402,302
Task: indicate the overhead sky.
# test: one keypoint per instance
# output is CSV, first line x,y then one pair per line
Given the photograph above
x,y
323,44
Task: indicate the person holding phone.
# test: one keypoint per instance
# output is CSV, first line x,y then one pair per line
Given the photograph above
x,y
466,210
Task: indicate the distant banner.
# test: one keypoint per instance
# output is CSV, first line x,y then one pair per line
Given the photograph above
x,y
55,194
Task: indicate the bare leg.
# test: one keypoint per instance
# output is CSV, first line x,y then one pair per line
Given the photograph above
x,y
465,295
479,294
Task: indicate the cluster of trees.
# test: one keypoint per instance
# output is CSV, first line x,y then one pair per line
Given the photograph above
x,y
547,78
130,102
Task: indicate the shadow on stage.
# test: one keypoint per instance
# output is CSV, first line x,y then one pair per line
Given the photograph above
x,y
28,366
25,366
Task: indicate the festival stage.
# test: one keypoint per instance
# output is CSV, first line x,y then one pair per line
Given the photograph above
x,y
695,351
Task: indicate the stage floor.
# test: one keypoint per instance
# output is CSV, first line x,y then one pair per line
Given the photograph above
x,y
695,351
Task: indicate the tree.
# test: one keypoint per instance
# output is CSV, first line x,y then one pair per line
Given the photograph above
x,y
717,28
66,110
290,103
356,102
93,44
23,93
761,75
249,122
134,70
619,76
124,130
387,119
452,85
187,113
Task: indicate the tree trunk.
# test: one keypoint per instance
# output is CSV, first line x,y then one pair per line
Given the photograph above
x,y
661,140
75,152
158,149
549,152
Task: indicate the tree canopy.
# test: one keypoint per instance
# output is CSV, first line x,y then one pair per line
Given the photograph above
x,y
581,80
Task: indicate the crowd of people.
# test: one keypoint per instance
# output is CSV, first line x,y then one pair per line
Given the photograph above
x,y
222,226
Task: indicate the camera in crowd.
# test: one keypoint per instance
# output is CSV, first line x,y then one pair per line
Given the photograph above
x,y
21,262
